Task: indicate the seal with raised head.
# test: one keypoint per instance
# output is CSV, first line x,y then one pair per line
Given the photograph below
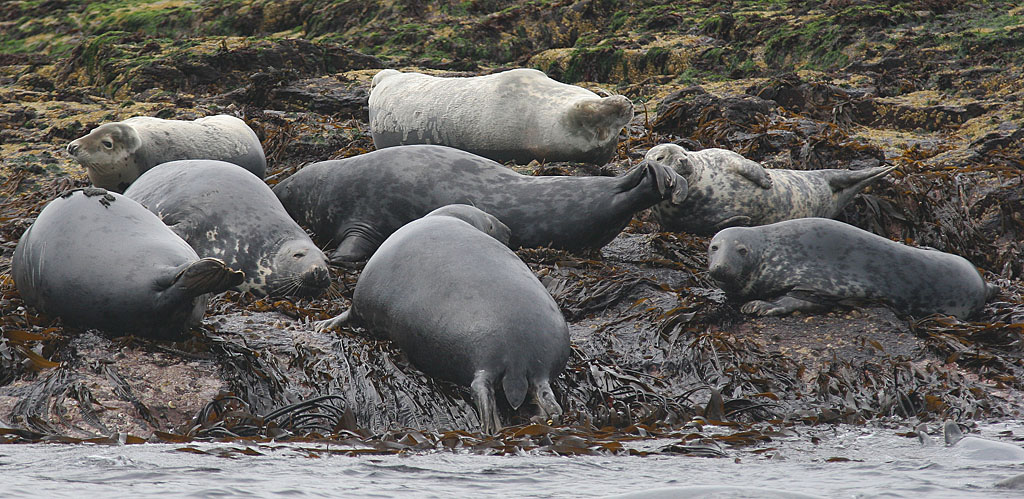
x,y
115,154
518,115
464,308
812,264
728,190
355,203
100,260
224,211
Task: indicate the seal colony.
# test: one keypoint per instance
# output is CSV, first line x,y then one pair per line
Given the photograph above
x,y
100,260
115,154
517,115
729,190
441,281
811,264
224,211
466,309
356,203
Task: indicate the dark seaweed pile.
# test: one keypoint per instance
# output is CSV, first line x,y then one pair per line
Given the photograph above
x,y
658,352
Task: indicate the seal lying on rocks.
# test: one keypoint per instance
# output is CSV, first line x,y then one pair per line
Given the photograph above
x,y
728,190
224,211
100,260
115,154
811,263
464,308
357,202
518,115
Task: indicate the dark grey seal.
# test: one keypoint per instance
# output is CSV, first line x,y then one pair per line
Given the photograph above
x,y
115,154
226,212
728,190
100,260
356,203
813,263
466,309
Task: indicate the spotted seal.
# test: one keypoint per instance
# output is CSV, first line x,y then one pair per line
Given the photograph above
x,y
100,260
466,309
728,190
812,263
224,211
115,154
355,203
517,115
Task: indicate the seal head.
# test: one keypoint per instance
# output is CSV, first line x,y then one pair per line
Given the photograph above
x,y
108,154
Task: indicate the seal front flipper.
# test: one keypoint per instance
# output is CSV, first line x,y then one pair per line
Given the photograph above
x,y
332,323
486,406
208,275
353,248
785,304
735,221
752,171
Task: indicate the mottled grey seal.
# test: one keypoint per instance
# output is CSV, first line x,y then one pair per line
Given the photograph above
x,y
728,190
812,263
100,260
517,115
355,203
115,154
464,308
226,212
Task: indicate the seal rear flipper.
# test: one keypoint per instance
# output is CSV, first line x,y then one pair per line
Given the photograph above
x,y
332,323
951,432
545,399
752,171
208,275
669,183
486,405
855,180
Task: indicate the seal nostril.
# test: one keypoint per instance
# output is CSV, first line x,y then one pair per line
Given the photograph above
x,y
72,148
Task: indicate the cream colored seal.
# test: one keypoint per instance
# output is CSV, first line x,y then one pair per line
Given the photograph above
x,y
115,154
517,115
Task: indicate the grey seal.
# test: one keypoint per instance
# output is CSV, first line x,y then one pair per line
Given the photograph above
x,y
728,190
115,154
356,203
466,309
226,212
100,260
518,115
811,263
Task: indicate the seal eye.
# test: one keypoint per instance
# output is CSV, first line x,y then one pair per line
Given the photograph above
x,y
742,251
108,143
299,255
714,247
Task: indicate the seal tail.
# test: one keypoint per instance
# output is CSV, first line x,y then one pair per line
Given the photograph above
x,y
208,275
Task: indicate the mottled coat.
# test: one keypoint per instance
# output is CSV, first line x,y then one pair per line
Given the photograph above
x,y
813,263
728,190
